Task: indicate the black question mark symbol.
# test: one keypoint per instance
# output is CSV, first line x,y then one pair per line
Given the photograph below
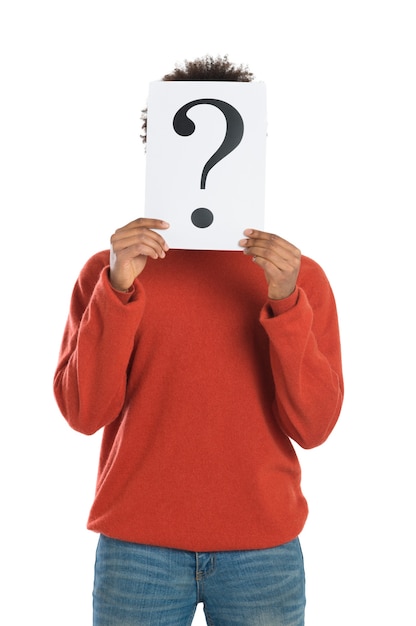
x,y
184,126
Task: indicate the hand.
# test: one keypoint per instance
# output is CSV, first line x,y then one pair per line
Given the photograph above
x,y
279,259
131,245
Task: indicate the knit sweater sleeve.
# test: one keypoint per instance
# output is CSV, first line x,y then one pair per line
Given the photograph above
x,y
90,378
305,357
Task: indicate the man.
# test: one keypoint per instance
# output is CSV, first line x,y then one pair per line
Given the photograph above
x,y
200,367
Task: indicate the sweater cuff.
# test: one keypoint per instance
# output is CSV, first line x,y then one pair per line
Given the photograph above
x,y
273,308
123,296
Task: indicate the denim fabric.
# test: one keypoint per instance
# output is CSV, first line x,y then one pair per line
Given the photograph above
x,y
139,585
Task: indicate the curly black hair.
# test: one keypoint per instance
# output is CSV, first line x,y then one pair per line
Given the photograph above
x,y
210,68
205,68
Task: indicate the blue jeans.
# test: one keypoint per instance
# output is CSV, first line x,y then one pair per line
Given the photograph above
x,y
139,585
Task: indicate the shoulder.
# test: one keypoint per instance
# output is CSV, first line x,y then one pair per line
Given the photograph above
x,y
95,264
314,282
91,271
310,270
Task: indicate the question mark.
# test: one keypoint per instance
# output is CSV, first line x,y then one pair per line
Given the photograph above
x,y
184,126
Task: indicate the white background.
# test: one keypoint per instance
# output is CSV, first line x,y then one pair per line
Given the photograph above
x,y
340,184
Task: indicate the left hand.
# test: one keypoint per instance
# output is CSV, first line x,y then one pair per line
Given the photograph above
x,y
279,259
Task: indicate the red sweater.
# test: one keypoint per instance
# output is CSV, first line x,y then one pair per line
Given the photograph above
x,y
200,383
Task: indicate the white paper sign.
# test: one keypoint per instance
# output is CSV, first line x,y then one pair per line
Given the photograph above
x,y
205,162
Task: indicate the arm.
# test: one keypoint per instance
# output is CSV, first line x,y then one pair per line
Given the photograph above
x,y
90,378
106,308
302,325
305,357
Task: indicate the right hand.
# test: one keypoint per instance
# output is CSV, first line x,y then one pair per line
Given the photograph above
x,y
131,245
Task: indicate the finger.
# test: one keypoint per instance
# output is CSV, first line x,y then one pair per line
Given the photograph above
x,y
146,222
257,237
136,225
146,248
133,233
143,242
271,257
271,244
